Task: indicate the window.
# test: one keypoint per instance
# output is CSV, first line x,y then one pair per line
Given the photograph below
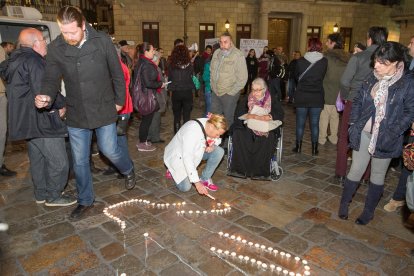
x,y
206,30
243,31
346,33
150,33
313,31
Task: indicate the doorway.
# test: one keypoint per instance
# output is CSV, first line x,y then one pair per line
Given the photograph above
x,y
279,33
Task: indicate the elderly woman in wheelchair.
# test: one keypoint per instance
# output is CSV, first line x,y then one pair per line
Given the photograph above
x,y
256,134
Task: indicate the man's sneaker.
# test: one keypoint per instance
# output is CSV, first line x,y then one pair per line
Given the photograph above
x,y
64,200
40,201
209,185
168,175
147,146
393,205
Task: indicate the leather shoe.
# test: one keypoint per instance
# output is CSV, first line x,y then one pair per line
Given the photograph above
x,y
360,222
160,141
6,172
80,211
130,180
343,217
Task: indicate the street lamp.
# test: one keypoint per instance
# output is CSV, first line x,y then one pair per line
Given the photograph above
x,y
227,25
184,4
335,28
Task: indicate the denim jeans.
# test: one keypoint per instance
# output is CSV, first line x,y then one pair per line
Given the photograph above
x,y
80,140
213,160
301,115
122,139
49,167
291,89
207,99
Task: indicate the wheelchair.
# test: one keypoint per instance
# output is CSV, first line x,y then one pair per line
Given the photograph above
x,y
276,171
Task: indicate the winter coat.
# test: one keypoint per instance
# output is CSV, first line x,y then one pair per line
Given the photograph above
x,y
185,151
150,76
93,78
356,72
399,115
228,72
337,60
23,73
309,91
206,77
181,78
252,67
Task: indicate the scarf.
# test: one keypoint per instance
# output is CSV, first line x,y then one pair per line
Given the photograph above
x,y
379,93
265,102
155,67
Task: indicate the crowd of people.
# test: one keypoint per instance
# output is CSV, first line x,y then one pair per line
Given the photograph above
x,y
102,81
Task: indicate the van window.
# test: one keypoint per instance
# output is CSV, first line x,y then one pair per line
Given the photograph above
x,y
10,31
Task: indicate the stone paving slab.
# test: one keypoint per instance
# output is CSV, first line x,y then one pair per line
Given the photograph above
x,y
296,214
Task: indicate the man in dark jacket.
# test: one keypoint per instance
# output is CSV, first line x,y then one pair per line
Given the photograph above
x,y
95,89
357,70
43,129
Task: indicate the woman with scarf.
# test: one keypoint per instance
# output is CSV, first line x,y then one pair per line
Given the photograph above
x,y
180,72
252,149
382,111
151,79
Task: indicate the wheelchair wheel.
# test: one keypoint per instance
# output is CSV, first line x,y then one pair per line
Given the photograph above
x,y
276,172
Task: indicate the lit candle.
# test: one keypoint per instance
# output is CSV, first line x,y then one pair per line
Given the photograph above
x,y
270,249
232,237
238,239
167,204
259,264
252,261
190,212
250,244
246,258
146,235
212,211
291,273
297,259
298,274
264,266
226,235
282,254
174,204
241,257
262,247
219,251
275,251
257,245
288,255
285,272
197,212
178,212
244,242
221,234
306,273
205,212
272,267
233,254
307,267
278,269
182,212
226,252
305,262
183,203
213,248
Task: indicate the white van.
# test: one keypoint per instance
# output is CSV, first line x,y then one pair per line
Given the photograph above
x,y
16,18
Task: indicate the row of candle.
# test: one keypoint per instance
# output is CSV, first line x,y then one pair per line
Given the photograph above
x,y
122,223
260,265
259,246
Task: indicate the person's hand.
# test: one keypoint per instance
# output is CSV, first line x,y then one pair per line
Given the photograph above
x,y
412,126
118,107
42,101
201,189
62,112
209,148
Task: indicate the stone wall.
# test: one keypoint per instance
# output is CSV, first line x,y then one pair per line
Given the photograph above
x,y
129,16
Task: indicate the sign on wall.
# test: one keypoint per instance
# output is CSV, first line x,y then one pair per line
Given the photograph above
x,y
256,44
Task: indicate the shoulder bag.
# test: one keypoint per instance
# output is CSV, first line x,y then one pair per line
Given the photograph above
x,y
143,99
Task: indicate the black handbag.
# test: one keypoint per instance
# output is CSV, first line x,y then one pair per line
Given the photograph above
x,y
121,126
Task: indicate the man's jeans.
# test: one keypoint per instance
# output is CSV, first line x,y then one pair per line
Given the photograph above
x,y
213,160
49,167
80,140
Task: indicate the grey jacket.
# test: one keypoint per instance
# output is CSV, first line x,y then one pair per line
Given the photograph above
x,y
357,70
228,72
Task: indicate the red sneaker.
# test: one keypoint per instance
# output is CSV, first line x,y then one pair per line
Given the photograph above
x,y
168,175
209,185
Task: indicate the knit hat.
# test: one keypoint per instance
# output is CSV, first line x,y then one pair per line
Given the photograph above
x,y
123,43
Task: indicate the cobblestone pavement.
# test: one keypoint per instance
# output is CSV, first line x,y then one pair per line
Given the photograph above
x,y
296,215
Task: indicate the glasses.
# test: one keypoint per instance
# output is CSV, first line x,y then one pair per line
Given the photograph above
x,y
258,90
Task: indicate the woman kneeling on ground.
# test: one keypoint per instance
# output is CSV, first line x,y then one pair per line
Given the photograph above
x,y
196,140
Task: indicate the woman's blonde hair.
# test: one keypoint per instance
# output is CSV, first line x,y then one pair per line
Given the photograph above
x,y
218,121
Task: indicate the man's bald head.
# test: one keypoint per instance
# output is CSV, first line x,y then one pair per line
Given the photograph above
x,y
33,38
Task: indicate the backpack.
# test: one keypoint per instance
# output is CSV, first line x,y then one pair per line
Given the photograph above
x,y
276,70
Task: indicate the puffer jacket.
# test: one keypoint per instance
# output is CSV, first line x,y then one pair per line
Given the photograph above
x,y
228,73
181,78
337,60
399,115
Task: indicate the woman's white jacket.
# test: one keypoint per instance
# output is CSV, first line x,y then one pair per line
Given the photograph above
x,y
185,151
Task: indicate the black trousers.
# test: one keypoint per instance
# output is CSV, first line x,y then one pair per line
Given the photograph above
x,y
144,127
182,104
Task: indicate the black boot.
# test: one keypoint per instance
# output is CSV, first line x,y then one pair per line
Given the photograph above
x,y
371,201
298,147
349,189
130,180
176,127
315,149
